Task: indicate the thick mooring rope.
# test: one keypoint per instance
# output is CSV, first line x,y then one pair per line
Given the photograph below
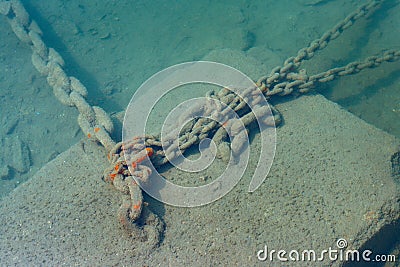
x,y
97,125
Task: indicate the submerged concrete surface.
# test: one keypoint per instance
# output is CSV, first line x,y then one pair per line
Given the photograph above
x,y
330,179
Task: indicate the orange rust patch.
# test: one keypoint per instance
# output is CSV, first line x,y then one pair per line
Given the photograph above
x,y
112,176
150,151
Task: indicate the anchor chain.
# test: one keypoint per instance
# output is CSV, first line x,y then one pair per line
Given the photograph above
x,y
128,160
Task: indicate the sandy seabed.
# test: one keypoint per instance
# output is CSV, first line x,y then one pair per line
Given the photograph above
x,y
330,179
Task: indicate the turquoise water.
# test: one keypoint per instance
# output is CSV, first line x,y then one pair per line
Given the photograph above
x,y
114,46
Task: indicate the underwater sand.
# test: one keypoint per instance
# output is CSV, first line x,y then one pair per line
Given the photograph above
x,y
114,46
314,194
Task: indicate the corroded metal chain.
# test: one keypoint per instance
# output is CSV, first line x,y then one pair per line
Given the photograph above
x,y
319,44
301,83
93,120
128,159
283,80
95,123
357,66
202,128
197,130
